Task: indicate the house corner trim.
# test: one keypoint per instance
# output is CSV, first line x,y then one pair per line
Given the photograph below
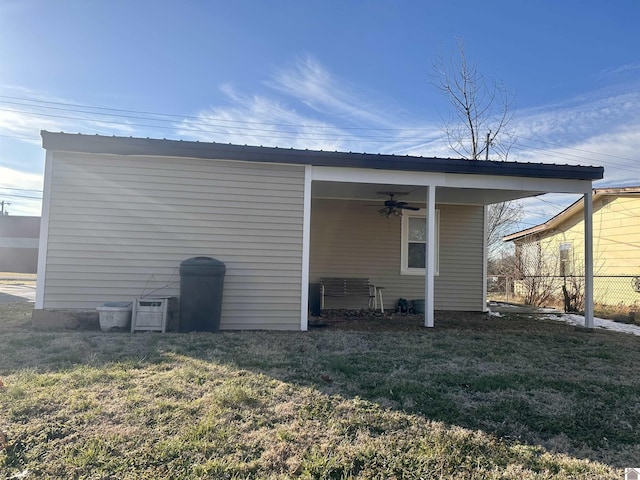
x,y
44,232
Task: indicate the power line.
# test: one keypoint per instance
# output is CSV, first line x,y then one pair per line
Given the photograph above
x,y
239,129
574,148
20,196
180,116
19,138
274,134
21,189
564,155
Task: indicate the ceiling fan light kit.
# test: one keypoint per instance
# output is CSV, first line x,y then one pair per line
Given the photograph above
x,y
394,207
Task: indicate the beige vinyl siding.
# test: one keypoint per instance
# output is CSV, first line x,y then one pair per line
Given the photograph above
x,y
460,283
350,239
120,226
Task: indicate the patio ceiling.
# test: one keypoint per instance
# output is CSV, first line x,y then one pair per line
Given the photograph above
x,y
415,194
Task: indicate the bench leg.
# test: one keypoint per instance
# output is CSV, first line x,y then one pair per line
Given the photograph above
x,y
381,302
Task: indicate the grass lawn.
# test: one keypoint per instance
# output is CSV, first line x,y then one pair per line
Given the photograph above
x,y
474,398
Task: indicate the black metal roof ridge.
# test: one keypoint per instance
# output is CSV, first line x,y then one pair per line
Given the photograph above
x,y
180,148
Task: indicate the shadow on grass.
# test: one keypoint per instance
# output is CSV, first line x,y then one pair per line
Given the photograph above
x,y
519,378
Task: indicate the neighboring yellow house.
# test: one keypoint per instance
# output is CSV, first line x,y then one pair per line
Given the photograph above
x,y
553,252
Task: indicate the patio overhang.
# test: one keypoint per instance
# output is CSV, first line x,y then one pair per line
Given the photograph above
x,y
431,188
363,184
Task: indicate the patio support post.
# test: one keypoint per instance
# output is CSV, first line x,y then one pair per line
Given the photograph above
x,y
429,305
306,236
588,259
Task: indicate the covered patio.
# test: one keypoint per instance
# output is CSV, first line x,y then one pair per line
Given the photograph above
x,y
346,236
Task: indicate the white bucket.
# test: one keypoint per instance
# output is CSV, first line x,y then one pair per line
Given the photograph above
x,y
114,315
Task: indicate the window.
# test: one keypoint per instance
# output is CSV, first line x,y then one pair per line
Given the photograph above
x,y
414,243
566,259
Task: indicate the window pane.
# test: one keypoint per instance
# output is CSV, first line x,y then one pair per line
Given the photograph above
x,y
417,255
566,263
417,229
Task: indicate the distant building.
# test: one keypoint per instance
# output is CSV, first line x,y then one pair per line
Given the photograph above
x,y
19,238
556,247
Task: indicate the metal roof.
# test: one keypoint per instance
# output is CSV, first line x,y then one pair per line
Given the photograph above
x,y
179,148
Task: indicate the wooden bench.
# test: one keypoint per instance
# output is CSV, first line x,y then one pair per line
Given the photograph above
x,y
352,287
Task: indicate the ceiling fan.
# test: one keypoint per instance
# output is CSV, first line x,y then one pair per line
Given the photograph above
x,y
394,207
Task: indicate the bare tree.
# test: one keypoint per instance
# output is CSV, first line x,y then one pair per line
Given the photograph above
x,y
537,268
483,109
501,218
482,112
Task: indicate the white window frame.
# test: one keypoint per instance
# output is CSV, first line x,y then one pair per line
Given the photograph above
x,y
566,265
404,252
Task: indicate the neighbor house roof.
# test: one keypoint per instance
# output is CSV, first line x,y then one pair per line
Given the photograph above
x,y
571,210
180,148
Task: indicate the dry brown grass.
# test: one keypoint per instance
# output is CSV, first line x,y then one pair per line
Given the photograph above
x,y
476,397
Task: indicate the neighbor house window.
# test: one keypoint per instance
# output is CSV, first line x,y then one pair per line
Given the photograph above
x,y
414,243
566,259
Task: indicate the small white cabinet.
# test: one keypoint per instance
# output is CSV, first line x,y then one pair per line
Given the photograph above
x,y
150,313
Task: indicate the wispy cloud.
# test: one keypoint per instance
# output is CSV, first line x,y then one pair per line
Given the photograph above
x,y
601,128
23,125
309,82
307,107
579,117
629,68
259,120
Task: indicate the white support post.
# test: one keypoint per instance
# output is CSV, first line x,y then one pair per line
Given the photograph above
x,y
485,259
430,260
306,238
588,259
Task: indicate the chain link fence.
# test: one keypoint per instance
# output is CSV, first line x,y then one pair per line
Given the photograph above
x,y
618,294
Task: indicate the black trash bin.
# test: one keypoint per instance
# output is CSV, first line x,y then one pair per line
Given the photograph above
x,y
201,285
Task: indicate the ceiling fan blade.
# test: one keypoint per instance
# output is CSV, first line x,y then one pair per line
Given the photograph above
x,y
409,207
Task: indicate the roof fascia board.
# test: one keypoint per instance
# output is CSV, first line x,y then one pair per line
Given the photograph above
x,y
493,182
179,148
366,175
617,191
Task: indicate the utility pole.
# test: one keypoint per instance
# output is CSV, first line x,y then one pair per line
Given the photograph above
x,y
486,153
2,204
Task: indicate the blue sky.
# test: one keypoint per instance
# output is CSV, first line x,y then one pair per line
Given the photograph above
x,y
337,75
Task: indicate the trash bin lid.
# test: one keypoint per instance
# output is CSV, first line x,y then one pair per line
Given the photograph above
x,y
202,265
